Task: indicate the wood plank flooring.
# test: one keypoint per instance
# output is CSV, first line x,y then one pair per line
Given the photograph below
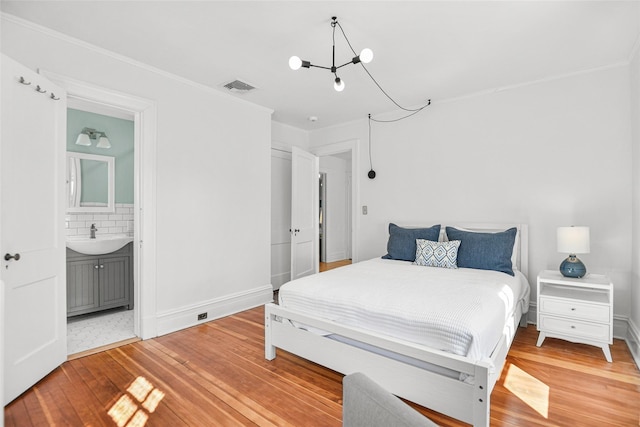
x,y
324,266
215,374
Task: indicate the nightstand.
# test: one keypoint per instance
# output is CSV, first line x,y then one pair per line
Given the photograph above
x,y
576,310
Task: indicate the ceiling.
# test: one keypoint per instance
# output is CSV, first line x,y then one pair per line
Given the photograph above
x,y
423,50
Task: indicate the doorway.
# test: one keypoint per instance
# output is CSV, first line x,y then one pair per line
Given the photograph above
x,y
87,97
334,207
343,158
100,309
281,204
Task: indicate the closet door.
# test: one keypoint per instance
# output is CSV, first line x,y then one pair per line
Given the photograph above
x,y
304,214
280,218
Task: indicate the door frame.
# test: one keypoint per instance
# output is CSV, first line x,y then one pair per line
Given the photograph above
x,y
322,195
144,250
352,145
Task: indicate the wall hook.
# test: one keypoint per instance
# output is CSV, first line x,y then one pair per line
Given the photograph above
x,y
54,97
39,89
23,81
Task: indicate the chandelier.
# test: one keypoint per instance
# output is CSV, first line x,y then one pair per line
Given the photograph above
x,y
366,55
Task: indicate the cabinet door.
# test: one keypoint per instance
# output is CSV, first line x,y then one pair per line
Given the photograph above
x,y
114,282
82,286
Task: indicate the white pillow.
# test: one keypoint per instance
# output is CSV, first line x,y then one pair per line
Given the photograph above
x,y
437,254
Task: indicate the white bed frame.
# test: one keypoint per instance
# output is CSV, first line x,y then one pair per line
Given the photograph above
x,y
450,396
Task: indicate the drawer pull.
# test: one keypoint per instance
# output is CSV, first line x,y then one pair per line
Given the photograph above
x,y
95,266
573,327
573,309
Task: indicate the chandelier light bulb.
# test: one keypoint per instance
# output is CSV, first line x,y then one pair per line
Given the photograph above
x,y
338,84
366,55
295,63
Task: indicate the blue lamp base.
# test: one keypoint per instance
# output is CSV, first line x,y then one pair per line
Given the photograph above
x,y
573,267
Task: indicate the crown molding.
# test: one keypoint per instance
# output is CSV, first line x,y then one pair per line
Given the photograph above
x,y
124,59
532,82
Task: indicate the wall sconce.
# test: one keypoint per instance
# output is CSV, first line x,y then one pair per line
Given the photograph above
x,y
89,134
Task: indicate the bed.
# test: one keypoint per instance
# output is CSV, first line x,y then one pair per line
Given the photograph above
x,y
413,333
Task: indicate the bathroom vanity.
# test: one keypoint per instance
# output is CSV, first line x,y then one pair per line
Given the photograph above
x,y
99,282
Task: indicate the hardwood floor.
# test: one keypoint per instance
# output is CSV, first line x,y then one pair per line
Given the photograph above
x,y
215,374
324,266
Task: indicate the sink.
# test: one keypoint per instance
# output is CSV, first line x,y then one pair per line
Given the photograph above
x,y
102,244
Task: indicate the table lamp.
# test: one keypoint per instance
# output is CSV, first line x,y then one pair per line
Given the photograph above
x,y
573,240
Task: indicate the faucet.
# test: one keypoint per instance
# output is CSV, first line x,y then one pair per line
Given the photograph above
x,y
93,230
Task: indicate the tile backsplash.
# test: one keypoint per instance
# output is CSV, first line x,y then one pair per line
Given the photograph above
x,y
119,222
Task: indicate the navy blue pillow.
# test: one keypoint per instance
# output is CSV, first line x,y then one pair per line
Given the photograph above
x,y
402,241
484,251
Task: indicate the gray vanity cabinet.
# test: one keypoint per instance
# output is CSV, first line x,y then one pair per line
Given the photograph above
x,y
99,282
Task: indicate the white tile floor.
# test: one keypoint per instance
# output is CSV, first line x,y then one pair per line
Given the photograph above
x,y
95,330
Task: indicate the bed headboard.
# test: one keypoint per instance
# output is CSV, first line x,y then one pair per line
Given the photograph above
x,y
521,243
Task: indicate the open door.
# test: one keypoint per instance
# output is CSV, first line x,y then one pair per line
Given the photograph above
x,y
304,214
32,209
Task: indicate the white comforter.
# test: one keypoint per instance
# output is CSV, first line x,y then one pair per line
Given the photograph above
x,y
461,311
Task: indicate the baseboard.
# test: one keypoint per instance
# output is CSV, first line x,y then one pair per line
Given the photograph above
x,y
185,317
633,342
532,314
336,256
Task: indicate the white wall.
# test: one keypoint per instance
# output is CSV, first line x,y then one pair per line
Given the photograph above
x,y
634,333
549,154
284,137
212,198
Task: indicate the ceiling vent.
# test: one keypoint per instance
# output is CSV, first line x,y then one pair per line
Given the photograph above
x,y
239,87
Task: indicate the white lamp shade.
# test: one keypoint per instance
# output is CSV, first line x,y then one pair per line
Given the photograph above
x,y
83,139
103,142
366,55
573,240
295,63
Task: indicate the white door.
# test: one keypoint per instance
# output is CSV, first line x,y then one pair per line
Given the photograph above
x,y
304,214
280,218
32,246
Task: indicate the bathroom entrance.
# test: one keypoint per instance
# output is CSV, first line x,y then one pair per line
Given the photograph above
x,y
133,223
99,227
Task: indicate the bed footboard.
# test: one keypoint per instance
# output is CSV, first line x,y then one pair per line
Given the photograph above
x,y
467,402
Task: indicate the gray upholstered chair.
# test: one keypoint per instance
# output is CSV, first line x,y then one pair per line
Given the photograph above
x,y
366,404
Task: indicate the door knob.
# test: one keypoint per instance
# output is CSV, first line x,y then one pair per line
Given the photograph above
x,y
8,257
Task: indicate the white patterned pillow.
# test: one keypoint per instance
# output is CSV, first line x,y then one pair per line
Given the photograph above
x,y
437,254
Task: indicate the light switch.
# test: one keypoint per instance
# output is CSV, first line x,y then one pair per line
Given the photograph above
x,y
364,210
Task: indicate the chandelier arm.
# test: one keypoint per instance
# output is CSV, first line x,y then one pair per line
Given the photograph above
x,y
320,66
340,66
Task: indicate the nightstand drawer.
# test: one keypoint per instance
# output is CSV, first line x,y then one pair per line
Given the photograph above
x,y
574,309
591,331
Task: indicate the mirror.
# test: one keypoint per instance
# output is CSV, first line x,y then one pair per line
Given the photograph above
x,y
90,183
